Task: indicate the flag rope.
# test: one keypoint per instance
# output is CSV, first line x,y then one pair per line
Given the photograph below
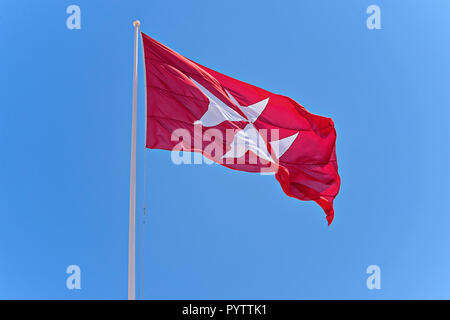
x,y
143,225
145,176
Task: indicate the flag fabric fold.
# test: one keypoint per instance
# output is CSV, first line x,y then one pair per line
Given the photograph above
x,y
193,108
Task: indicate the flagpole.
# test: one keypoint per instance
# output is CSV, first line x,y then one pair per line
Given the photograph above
x,y
132,222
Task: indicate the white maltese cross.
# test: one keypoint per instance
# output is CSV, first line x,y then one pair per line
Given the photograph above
x,y
249,138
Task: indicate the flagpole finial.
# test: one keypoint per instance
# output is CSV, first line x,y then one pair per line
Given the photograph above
x,y
136,23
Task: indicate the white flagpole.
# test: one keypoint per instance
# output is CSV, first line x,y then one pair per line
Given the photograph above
x,y
132,223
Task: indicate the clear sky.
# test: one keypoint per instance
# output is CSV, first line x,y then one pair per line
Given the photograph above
x,y
212,232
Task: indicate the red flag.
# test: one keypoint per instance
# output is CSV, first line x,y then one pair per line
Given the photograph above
x,y
240,126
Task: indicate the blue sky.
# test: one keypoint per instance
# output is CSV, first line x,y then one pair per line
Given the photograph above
x,y
212,232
